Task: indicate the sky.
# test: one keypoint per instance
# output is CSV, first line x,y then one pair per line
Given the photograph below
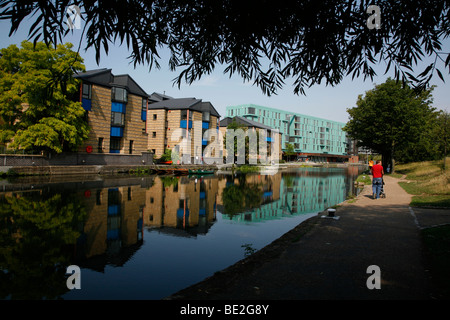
x,y
320,100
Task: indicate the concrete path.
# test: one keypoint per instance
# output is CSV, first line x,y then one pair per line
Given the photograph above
x,y
331,260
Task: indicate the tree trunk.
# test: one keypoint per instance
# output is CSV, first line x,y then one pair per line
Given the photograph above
x,y
387,160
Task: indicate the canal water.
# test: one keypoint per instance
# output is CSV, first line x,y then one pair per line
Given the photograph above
x,y
146,237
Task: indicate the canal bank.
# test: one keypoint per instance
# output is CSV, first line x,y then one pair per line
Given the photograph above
x,y
327,258
34,170
95,169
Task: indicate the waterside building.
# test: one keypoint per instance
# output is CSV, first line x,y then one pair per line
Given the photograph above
x,y
311,137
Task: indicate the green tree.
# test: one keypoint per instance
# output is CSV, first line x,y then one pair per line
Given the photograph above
x,y
38,232
264,41
390,119
290,150
441,133
37,98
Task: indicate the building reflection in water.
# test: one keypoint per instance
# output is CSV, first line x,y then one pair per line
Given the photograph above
x,y
181,205
101,222
261,197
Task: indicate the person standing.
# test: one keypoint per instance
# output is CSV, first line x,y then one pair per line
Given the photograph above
x,y
377,179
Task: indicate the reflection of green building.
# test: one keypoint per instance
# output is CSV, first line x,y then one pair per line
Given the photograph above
x,y
299,194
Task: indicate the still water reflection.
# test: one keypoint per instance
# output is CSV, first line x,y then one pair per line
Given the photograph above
x,y
148,237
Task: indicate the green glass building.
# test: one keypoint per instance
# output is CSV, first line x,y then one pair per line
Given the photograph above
x,y
313,138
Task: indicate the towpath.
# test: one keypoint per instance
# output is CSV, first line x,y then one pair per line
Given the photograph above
x,y
328,258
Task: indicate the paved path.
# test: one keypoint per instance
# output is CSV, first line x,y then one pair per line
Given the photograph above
x,y
330,261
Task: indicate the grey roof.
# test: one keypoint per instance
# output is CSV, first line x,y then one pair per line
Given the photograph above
x,y
173,104
185,103
243,121
104,77
156,96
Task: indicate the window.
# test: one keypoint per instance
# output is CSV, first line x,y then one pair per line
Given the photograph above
x,y
251,110
131,147
86,91
119,94
100,145
117,119
114,144
205,116
144,110
155,116
184,115
154,134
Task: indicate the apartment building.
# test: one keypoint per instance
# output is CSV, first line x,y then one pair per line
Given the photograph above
x,y
116,111
272,137
172,120
314,138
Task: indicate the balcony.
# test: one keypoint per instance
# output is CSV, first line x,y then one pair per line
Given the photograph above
x,y
184,122
86,104
117,132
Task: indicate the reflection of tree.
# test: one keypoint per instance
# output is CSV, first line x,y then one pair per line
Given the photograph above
x,y
242,196
36,238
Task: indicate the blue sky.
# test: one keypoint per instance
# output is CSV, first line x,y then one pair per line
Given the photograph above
x,y
320,100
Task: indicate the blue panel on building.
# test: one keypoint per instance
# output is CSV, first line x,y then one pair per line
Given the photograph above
x,y
114,151
205,125
112,234
202,212
202,195
113,209
180,213
86,104
117,107
183,124
267,194
143,115
268,139
116,132
204,142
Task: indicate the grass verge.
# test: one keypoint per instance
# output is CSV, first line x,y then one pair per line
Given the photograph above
x,y
427,182
430,186
364,178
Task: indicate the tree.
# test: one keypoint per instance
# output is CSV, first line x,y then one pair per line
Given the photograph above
x,y
289,150
37,98
442,133
264,41
390,118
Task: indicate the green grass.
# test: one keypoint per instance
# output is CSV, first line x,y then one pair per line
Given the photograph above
x,y
427,182
438,201
364,178
437,243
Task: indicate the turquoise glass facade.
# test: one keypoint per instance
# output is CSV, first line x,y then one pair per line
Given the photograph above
x,y
309,135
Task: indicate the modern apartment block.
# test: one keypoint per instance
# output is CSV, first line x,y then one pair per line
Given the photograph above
x,y
116,109
193,116
314,138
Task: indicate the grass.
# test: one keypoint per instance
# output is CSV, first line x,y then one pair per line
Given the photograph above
x,y
427,181
364,178
437,243
430,186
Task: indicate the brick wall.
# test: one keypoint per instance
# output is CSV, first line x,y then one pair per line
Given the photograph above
x,y
156,129
99,121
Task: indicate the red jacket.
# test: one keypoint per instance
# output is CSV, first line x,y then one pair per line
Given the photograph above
x,y
377,171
